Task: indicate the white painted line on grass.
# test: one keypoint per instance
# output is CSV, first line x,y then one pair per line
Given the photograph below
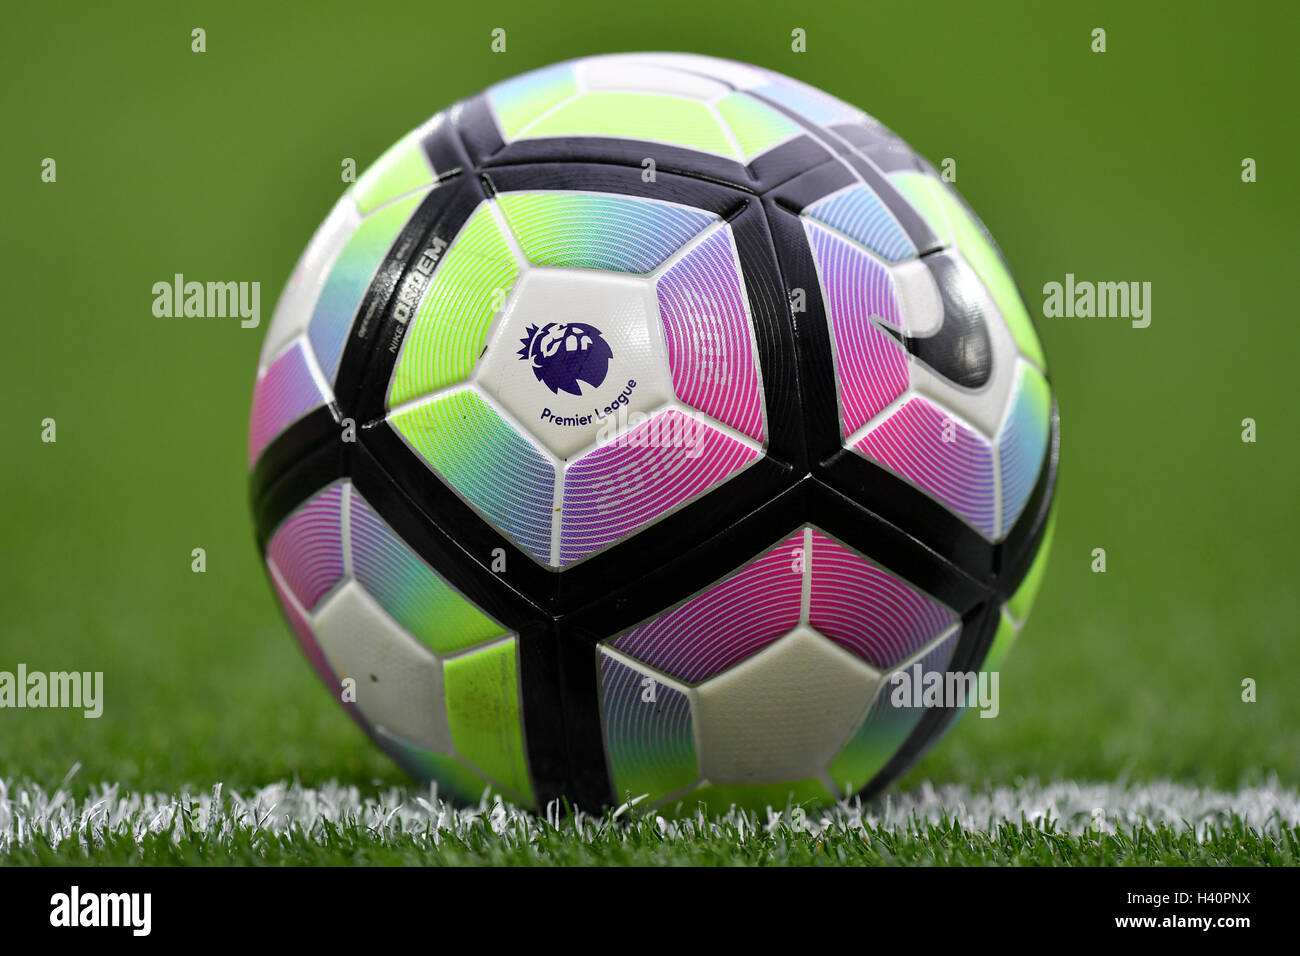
x,y
30,813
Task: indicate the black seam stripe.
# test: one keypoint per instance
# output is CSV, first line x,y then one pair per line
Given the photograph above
x,y
486,151
917,229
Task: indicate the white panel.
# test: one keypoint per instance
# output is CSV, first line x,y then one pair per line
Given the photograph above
x,y
626,73
739,75
919,302
583,307
298,299
398,679
782,714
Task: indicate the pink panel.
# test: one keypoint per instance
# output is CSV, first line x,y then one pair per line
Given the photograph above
x,y
727,623
859,292
283,395
710,340
302,631
308,547
943,456
868,611
653,468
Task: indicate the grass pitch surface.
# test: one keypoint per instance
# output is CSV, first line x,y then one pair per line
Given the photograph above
x,y
1029,824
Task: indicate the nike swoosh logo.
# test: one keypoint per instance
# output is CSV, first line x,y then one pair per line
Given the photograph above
x,y
959,349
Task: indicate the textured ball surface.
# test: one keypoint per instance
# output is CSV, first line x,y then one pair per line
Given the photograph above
x,y
626,427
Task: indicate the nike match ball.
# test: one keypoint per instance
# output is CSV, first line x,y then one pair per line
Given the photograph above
x,y
653,429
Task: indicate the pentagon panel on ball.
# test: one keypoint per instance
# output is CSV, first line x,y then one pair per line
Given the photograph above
x,y
629,430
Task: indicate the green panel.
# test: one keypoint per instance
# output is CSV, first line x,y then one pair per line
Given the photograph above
x,y
641,116
453,777
522,99
424,604
1023,599
719,798
449,330
480,454
651,744
922,192
988,265
460,625
756,126
600,230
1002,641
400,170
482,691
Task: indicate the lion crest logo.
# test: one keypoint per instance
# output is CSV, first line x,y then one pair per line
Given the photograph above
x,y
562,354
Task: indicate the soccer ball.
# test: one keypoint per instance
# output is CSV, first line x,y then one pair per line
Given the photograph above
x,y
632,431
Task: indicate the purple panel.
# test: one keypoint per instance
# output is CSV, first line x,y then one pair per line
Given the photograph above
x,y
727,623
866,610
651,743
858,213
281,396
307,641
710,341
302,631
859,293
644,474
856,286
308,547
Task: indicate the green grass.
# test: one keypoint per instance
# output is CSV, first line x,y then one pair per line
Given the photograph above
x,y
948,844
641,843
1027,824
1123,166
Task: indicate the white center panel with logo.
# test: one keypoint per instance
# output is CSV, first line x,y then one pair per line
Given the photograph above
x,y
575,354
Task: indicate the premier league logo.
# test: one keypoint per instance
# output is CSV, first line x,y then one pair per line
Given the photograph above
x,y
562,355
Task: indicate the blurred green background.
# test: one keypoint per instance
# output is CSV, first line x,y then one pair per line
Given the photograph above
x,y
1117,166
